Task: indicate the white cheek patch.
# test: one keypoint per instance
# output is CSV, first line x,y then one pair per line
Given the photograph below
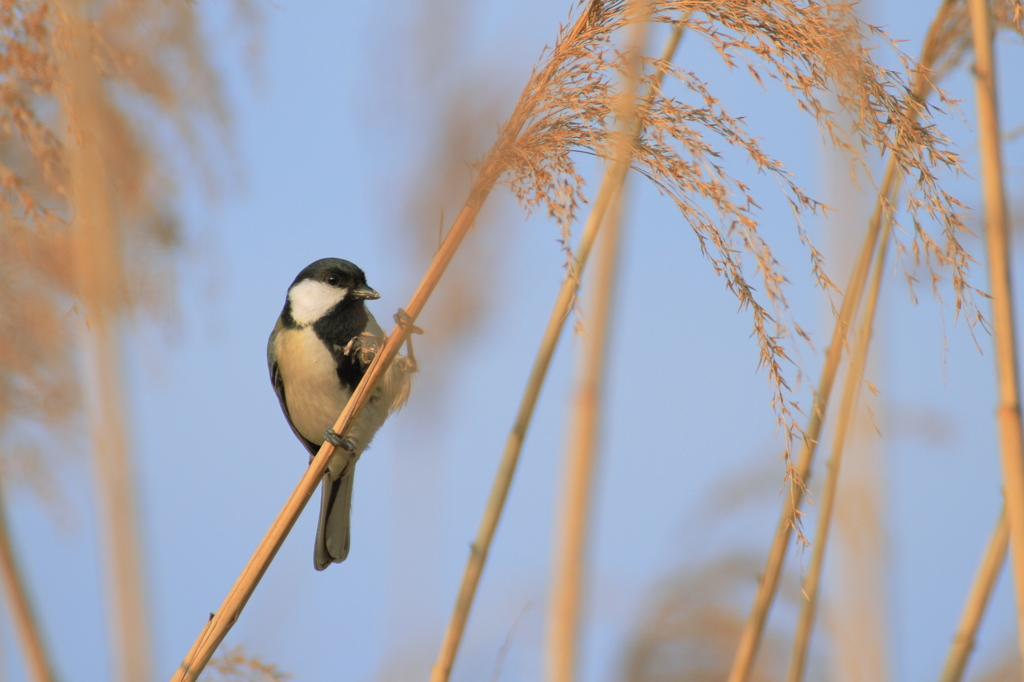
x,y
310,300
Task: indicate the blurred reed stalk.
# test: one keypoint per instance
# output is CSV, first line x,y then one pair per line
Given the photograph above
x,y
997,240
442,668
569,575
489,172
851,622
100,276
847,413
753,629
37,662
977,602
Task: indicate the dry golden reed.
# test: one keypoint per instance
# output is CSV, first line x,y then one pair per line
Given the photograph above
x,y
570,571
924,82
999,265
155,80
817,51
97,98
690,631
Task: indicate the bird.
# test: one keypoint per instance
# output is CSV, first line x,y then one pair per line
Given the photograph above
x,y
320,348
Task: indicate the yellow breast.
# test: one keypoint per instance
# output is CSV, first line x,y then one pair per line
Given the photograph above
x,y
313,393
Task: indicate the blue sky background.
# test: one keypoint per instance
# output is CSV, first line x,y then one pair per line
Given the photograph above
x,y
335,139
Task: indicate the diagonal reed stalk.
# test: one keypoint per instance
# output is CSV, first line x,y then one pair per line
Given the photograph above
x,y
570,550
977,601
217,627
442,668
580,463
753,628
997,240
220,623
36,660
847,411
494,164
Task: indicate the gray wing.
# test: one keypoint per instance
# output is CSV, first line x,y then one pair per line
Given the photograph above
x,y
278,382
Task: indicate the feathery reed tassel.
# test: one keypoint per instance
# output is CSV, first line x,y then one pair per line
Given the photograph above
x,y
753,628
997,238
750,638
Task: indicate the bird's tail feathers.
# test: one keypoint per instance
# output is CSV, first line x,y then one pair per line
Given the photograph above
x,y
332,532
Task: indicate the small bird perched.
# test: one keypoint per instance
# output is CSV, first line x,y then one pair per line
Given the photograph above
x,y
319,350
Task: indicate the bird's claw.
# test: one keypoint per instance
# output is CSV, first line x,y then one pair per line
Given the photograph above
x,y
335,439
404,319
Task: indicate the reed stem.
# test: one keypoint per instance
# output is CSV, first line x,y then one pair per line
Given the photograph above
x,y
37,662
997,239
101,288
753,628
571,547
847,412
569,574
977,601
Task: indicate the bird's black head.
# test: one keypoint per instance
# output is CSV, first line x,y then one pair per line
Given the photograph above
x,y
324,285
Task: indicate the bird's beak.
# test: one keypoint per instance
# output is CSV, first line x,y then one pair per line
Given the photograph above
x,y
366,293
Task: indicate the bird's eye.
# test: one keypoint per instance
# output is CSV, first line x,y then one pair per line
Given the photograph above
x,y
333,280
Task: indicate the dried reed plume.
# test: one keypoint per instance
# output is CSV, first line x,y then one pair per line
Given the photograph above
x,y
88,233
816,51
941,35
235,665
690,631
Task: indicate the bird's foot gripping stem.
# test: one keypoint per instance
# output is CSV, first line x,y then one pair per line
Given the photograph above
x,y
335,439
403,319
